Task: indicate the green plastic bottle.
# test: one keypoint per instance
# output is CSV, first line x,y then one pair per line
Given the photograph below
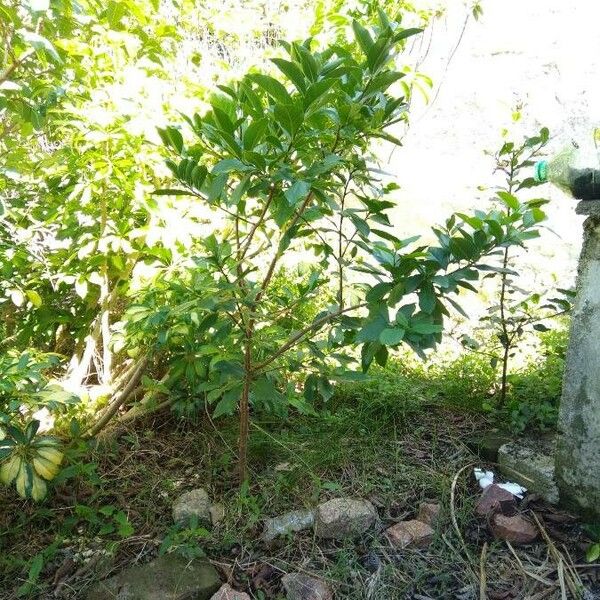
x,y
575,170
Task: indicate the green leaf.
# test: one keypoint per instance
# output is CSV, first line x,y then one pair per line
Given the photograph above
x,y
298,191
406,33
40,44
593,553
231,164
378,54
363,37
228,403
310,67
316,90
427,300
171,137
289,116
172,192
273,87
124,527
254,133
392,336
511,201
34,298
426,328
292,72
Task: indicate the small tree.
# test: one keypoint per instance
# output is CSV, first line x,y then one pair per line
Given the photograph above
x,y
518,311
286,164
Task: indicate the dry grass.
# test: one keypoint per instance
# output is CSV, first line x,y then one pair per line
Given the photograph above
x,y
396,461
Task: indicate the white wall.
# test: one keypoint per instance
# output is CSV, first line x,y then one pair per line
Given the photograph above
x,y
543,54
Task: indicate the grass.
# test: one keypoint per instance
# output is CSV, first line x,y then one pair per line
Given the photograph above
x,y
397,440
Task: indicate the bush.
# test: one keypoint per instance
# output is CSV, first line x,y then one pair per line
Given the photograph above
x,y
535,392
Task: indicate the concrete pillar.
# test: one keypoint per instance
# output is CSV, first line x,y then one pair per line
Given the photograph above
x,y
578,449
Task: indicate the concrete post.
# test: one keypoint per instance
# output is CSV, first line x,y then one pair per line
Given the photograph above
x,y
578,448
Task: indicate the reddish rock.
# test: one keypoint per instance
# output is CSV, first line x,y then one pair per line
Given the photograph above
x,y
429,513
492,498
298,586
228,593
516,529
410,533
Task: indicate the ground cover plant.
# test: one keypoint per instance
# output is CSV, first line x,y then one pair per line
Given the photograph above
x,y
203,285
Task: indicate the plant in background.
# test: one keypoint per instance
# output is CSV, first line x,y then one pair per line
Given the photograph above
x,y
285,164
26,459
535,391
185,539
518,312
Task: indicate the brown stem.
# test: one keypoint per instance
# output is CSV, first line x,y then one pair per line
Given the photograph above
x,y
119,400
308,329
503,288
271,270
255,226
245,411
16,64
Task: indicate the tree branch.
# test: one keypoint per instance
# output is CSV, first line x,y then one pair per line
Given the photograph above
x,y
308,329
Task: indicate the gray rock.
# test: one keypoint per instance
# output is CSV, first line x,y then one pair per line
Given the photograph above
x,y
531,465
577,464
228,593
194,503
169,577
344,517
298,586
217,513
296,520
487,445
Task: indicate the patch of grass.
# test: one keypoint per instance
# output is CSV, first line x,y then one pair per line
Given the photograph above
x,y
396,439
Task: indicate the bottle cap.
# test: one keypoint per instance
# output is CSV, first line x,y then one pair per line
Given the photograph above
x,y
541,171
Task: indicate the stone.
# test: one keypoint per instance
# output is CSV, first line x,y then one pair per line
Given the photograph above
x,y
228,593
169,577
194,503
590,208
578,447
531,463
429,513
492,500
290,522
410,533
487,445
344,517
516,529
217,513
298,586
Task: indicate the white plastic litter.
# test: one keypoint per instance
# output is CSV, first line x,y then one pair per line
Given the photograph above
x,y
486,478
514,488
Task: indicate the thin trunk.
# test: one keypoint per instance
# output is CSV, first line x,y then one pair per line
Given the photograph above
x,y
245,411
506,340
118,401
79,368
106,375
504,381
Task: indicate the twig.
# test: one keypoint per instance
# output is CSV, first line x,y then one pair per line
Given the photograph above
x,y
453,511
482,573
525,571
571,581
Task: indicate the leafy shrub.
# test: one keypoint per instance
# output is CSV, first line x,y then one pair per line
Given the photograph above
x,y
535,392
27,459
